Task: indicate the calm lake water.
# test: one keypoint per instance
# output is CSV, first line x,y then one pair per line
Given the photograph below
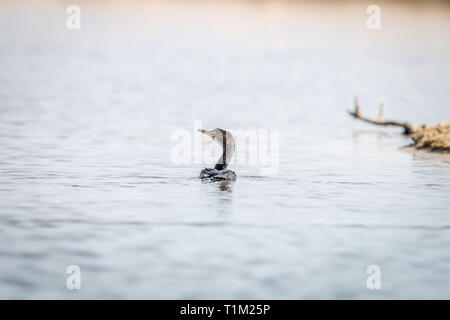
x,y
87,179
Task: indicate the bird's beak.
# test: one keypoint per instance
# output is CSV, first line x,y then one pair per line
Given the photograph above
x,y
208,133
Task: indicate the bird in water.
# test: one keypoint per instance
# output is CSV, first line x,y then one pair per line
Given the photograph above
x,y
220,171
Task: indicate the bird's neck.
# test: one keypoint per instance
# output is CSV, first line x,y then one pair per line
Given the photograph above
x,y
220,166
222,163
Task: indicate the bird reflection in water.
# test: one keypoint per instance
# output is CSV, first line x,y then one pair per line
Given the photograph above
x,y
219,186
220,196
225,186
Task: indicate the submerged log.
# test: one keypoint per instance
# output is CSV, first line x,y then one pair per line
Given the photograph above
x,y
434,138
408,128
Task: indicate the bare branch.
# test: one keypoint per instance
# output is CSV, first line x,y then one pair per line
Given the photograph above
x,y
380,112
408,128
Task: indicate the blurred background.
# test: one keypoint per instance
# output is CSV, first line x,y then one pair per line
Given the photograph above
x,y
86,177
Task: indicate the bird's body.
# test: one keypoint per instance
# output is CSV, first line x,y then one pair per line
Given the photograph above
x,y
211,174
220,171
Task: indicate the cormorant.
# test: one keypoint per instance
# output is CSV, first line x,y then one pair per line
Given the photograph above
x,y
220,171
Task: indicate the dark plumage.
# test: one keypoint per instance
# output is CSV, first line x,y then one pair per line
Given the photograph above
x,y
220,171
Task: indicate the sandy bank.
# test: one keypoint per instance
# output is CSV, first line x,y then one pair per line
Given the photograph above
x,y
427,152
436,137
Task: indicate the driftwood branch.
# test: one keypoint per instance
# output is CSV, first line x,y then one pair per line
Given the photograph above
x,y
408,128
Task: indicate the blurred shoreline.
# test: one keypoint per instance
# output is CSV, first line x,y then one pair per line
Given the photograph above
x,y
426,152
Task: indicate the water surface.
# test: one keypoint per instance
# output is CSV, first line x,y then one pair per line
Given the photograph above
x,y
86,177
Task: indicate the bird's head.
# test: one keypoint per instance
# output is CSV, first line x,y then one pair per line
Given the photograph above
x,y
226,141
215,134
